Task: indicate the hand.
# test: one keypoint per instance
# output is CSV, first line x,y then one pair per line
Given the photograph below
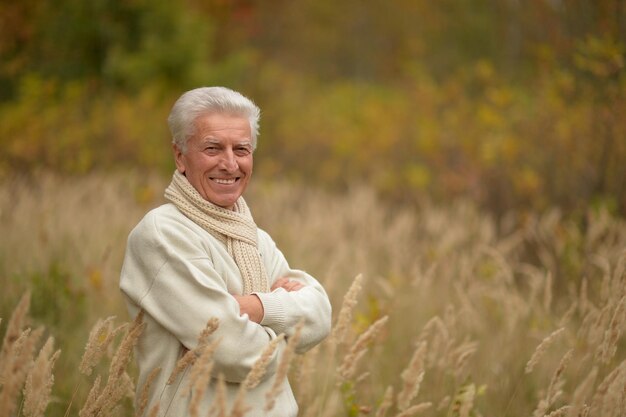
x,y
287,284
252,306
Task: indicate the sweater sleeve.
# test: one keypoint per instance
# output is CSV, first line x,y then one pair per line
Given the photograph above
x,y
168,273
283,310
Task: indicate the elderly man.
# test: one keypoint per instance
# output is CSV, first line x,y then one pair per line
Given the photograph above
x,y
201,256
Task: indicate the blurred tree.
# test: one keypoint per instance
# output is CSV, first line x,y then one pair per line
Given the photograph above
x,y
18,21
512,103
123,45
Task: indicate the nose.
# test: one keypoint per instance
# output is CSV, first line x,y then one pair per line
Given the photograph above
x,y
228,162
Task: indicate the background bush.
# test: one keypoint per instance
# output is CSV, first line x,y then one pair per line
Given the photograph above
x,y
514,105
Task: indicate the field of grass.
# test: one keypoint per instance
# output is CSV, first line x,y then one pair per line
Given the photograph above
x,y
438,310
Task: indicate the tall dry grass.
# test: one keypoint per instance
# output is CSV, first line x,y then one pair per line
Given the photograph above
x,y
452,313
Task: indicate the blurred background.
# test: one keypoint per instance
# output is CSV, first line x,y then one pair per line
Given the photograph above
x,y
467,157
513,104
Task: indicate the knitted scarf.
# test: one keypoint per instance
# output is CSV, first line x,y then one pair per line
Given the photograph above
x,y
235,228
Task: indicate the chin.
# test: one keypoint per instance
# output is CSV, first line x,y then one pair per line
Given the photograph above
x,y
227,204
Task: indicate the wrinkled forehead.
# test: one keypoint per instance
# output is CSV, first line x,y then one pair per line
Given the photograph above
x,y
220,127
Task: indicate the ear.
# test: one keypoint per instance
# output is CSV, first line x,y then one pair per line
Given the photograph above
x,y
179,158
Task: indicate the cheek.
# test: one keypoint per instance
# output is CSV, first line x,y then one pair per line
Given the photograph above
x,y
199,164
248,165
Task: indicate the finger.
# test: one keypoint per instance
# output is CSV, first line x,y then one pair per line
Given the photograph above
x,y
293,286
279,283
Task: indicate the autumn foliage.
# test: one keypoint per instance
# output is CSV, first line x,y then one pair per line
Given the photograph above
x,y
516,105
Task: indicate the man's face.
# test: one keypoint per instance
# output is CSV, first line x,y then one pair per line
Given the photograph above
x,y
218,160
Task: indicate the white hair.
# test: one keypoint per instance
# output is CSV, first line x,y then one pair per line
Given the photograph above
x,y
202,100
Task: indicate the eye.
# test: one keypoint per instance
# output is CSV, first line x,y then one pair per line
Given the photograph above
x,y
211,149
243,151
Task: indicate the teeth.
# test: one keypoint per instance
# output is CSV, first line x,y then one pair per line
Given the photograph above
x,y
225,182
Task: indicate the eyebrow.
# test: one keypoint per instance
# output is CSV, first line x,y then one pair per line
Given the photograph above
x,y
217,141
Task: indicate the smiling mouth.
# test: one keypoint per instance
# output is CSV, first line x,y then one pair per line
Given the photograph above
x,y
224,181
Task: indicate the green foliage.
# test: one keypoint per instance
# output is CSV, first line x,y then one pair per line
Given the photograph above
x,y
118,44
512,104
474,135
71,127
165,52
57,300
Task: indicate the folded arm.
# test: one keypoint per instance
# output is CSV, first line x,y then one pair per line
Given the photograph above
x,y
171,277
295,297
252,306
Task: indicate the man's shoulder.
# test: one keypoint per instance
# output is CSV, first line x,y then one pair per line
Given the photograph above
x,y
158,220
165,212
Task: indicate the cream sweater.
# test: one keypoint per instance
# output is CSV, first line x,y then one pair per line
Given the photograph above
x,y
181,276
